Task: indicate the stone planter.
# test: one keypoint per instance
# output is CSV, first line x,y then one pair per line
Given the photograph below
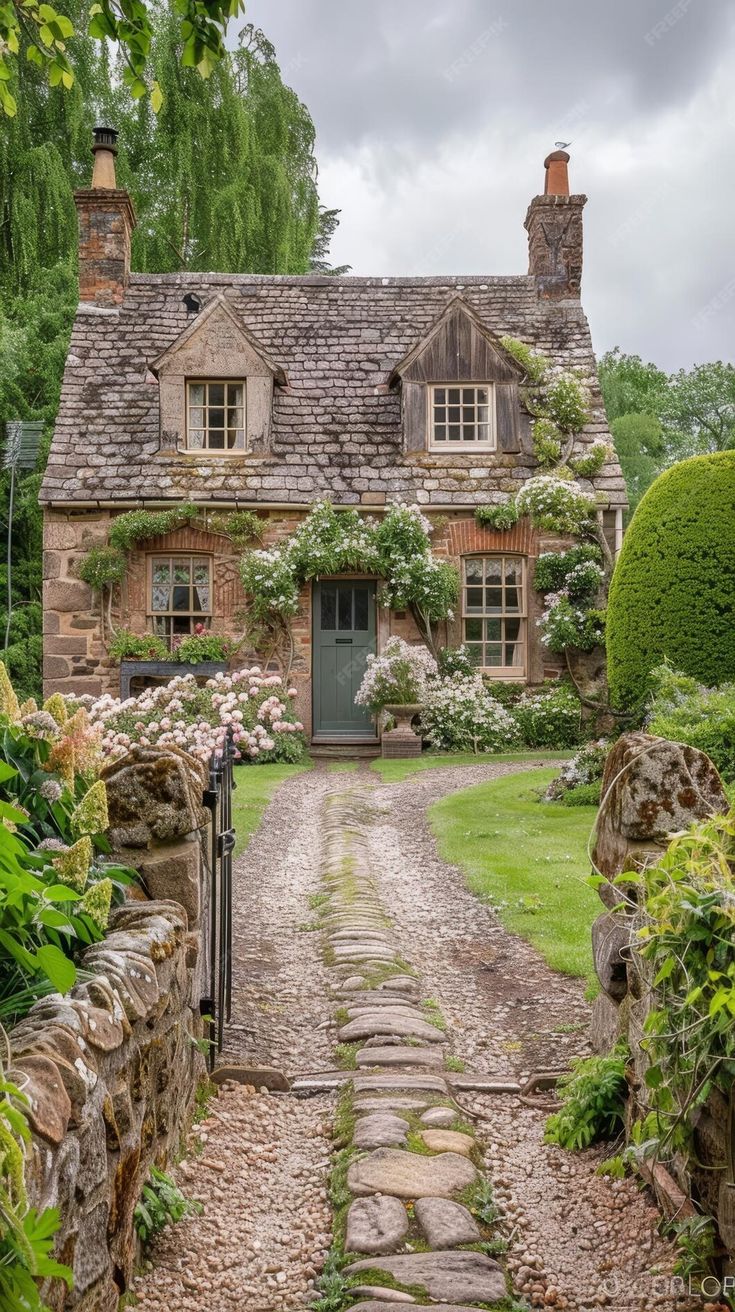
x,y
162,671
401,743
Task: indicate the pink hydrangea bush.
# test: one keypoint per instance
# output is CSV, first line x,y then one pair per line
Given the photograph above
x,y
254,705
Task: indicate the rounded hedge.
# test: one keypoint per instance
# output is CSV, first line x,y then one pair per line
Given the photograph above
x,y
672,595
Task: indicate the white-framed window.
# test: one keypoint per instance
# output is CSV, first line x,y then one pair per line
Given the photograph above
x,y
215,415
179,594
462,416
494,614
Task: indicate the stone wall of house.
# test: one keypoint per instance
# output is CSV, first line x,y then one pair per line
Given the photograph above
x,y
111,1069
652,789
75,654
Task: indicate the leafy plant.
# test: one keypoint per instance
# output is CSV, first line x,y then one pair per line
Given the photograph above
x,y
135,526
203,647
102,567
240,526
687,712
501,517
593,1102
695,1239
162,1203
136,647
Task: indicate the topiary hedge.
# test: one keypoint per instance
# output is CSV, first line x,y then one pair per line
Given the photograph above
x,y
672,595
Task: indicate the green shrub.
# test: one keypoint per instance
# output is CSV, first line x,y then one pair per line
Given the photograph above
x,y
582,776
501,517
162,1203
563,569
593,1102
203,647
672,595
551,717
103,566
582,795
701,717
138,525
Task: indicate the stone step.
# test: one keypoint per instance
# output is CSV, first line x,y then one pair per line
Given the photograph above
x,y
410,1175
404,1083
471,1277
382,1022
398,1055
481,1083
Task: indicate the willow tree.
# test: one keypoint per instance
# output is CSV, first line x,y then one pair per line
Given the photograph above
x,y
224,176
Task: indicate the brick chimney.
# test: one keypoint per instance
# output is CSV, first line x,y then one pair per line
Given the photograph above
x,y
106,222
554,226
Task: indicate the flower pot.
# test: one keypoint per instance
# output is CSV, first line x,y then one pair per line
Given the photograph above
x,y
403,713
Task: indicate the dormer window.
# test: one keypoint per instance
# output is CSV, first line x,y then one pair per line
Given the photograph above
x,y
215,415
463,415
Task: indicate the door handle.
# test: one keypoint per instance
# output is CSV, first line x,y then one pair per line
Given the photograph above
x,y
343,640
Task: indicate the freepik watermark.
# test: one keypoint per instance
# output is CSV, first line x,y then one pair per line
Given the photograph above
x,y
715,1291
669,21
714,306
473,51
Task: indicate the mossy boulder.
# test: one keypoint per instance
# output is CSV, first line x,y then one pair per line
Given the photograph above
x,y
672,595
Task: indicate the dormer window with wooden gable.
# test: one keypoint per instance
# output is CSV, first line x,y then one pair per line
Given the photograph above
x,y
216,387
461,415
459,389
215,415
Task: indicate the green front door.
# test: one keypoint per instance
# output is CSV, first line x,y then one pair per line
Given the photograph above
x,y
344,634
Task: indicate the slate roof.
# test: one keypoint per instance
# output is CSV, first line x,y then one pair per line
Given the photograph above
x,y
336,426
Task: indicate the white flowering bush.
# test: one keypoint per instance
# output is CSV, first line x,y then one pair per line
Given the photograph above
x,y
566,623
395,548
579,780
399,675
253,705
590,461
461,715
556,504
549,717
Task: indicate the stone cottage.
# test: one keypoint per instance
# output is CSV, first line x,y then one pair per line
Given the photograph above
x,y
271,393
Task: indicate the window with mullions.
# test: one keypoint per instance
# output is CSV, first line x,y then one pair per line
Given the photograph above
x,y
461,416
494,614
180,594
215,416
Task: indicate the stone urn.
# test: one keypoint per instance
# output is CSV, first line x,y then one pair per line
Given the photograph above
x,y
402,713
401,742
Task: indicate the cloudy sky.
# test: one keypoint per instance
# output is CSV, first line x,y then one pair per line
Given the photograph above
x,y
433,118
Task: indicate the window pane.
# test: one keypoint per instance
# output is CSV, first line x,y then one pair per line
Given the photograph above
x,y
196,393
328,619
512,630
474,651
200,599
201,573
161,571
454,414
180,624
239,442
196,416
454,433
468,414
493,569
216,417
196,439
216,394
473,570
482,396
513,570
473,630
512,599
439,395
440,433
474,599
181,598
160,598
453,395
492,630
234,394
216,439
361,609
494,600
344,596
182,571
493,655
483,432
160,626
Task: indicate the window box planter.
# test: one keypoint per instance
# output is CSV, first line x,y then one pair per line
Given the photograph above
x,y
161,671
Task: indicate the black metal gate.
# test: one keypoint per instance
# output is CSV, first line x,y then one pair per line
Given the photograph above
x,y
217,977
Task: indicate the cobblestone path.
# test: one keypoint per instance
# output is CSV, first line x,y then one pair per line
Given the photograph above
x,y
359,953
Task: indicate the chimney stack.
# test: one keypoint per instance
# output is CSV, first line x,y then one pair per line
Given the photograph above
x,y
554,226
106,222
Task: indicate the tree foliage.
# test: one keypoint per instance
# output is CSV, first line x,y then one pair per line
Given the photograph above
x,y
672,595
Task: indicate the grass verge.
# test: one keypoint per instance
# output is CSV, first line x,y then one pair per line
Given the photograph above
x,y
256,785
394,772
528,860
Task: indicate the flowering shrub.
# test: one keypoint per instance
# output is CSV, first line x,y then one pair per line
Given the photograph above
x,y
556,504
396,548
501,517
579,780
399,675
547,441
455,660
554,568
551,717
460,715
565,623
183,714
566,401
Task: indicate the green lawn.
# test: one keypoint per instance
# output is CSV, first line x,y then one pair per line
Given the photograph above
x,y
394,772
256,785
529,860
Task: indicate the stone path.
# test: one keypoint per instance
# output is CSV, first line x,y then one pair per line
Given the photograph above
x,y
339,885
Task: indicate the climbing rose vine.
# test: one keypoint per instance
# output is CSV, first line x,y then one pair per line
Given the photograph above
x,y
253,705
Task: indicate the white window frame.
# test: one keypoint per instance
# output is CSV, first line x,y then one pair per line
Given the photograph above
x,y
206,449
463,444
512,673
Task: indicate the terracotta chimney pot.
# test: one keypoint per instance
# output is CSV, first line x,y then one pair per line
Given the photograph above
x,y
557,174
104,150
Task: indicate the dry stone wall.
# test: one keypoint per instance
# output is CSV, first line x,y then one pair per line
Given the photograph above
x,y
111,1069
652,789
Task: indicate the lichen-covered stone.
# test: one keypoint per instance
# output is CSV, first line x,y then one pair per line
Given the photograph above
x,y
154,794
